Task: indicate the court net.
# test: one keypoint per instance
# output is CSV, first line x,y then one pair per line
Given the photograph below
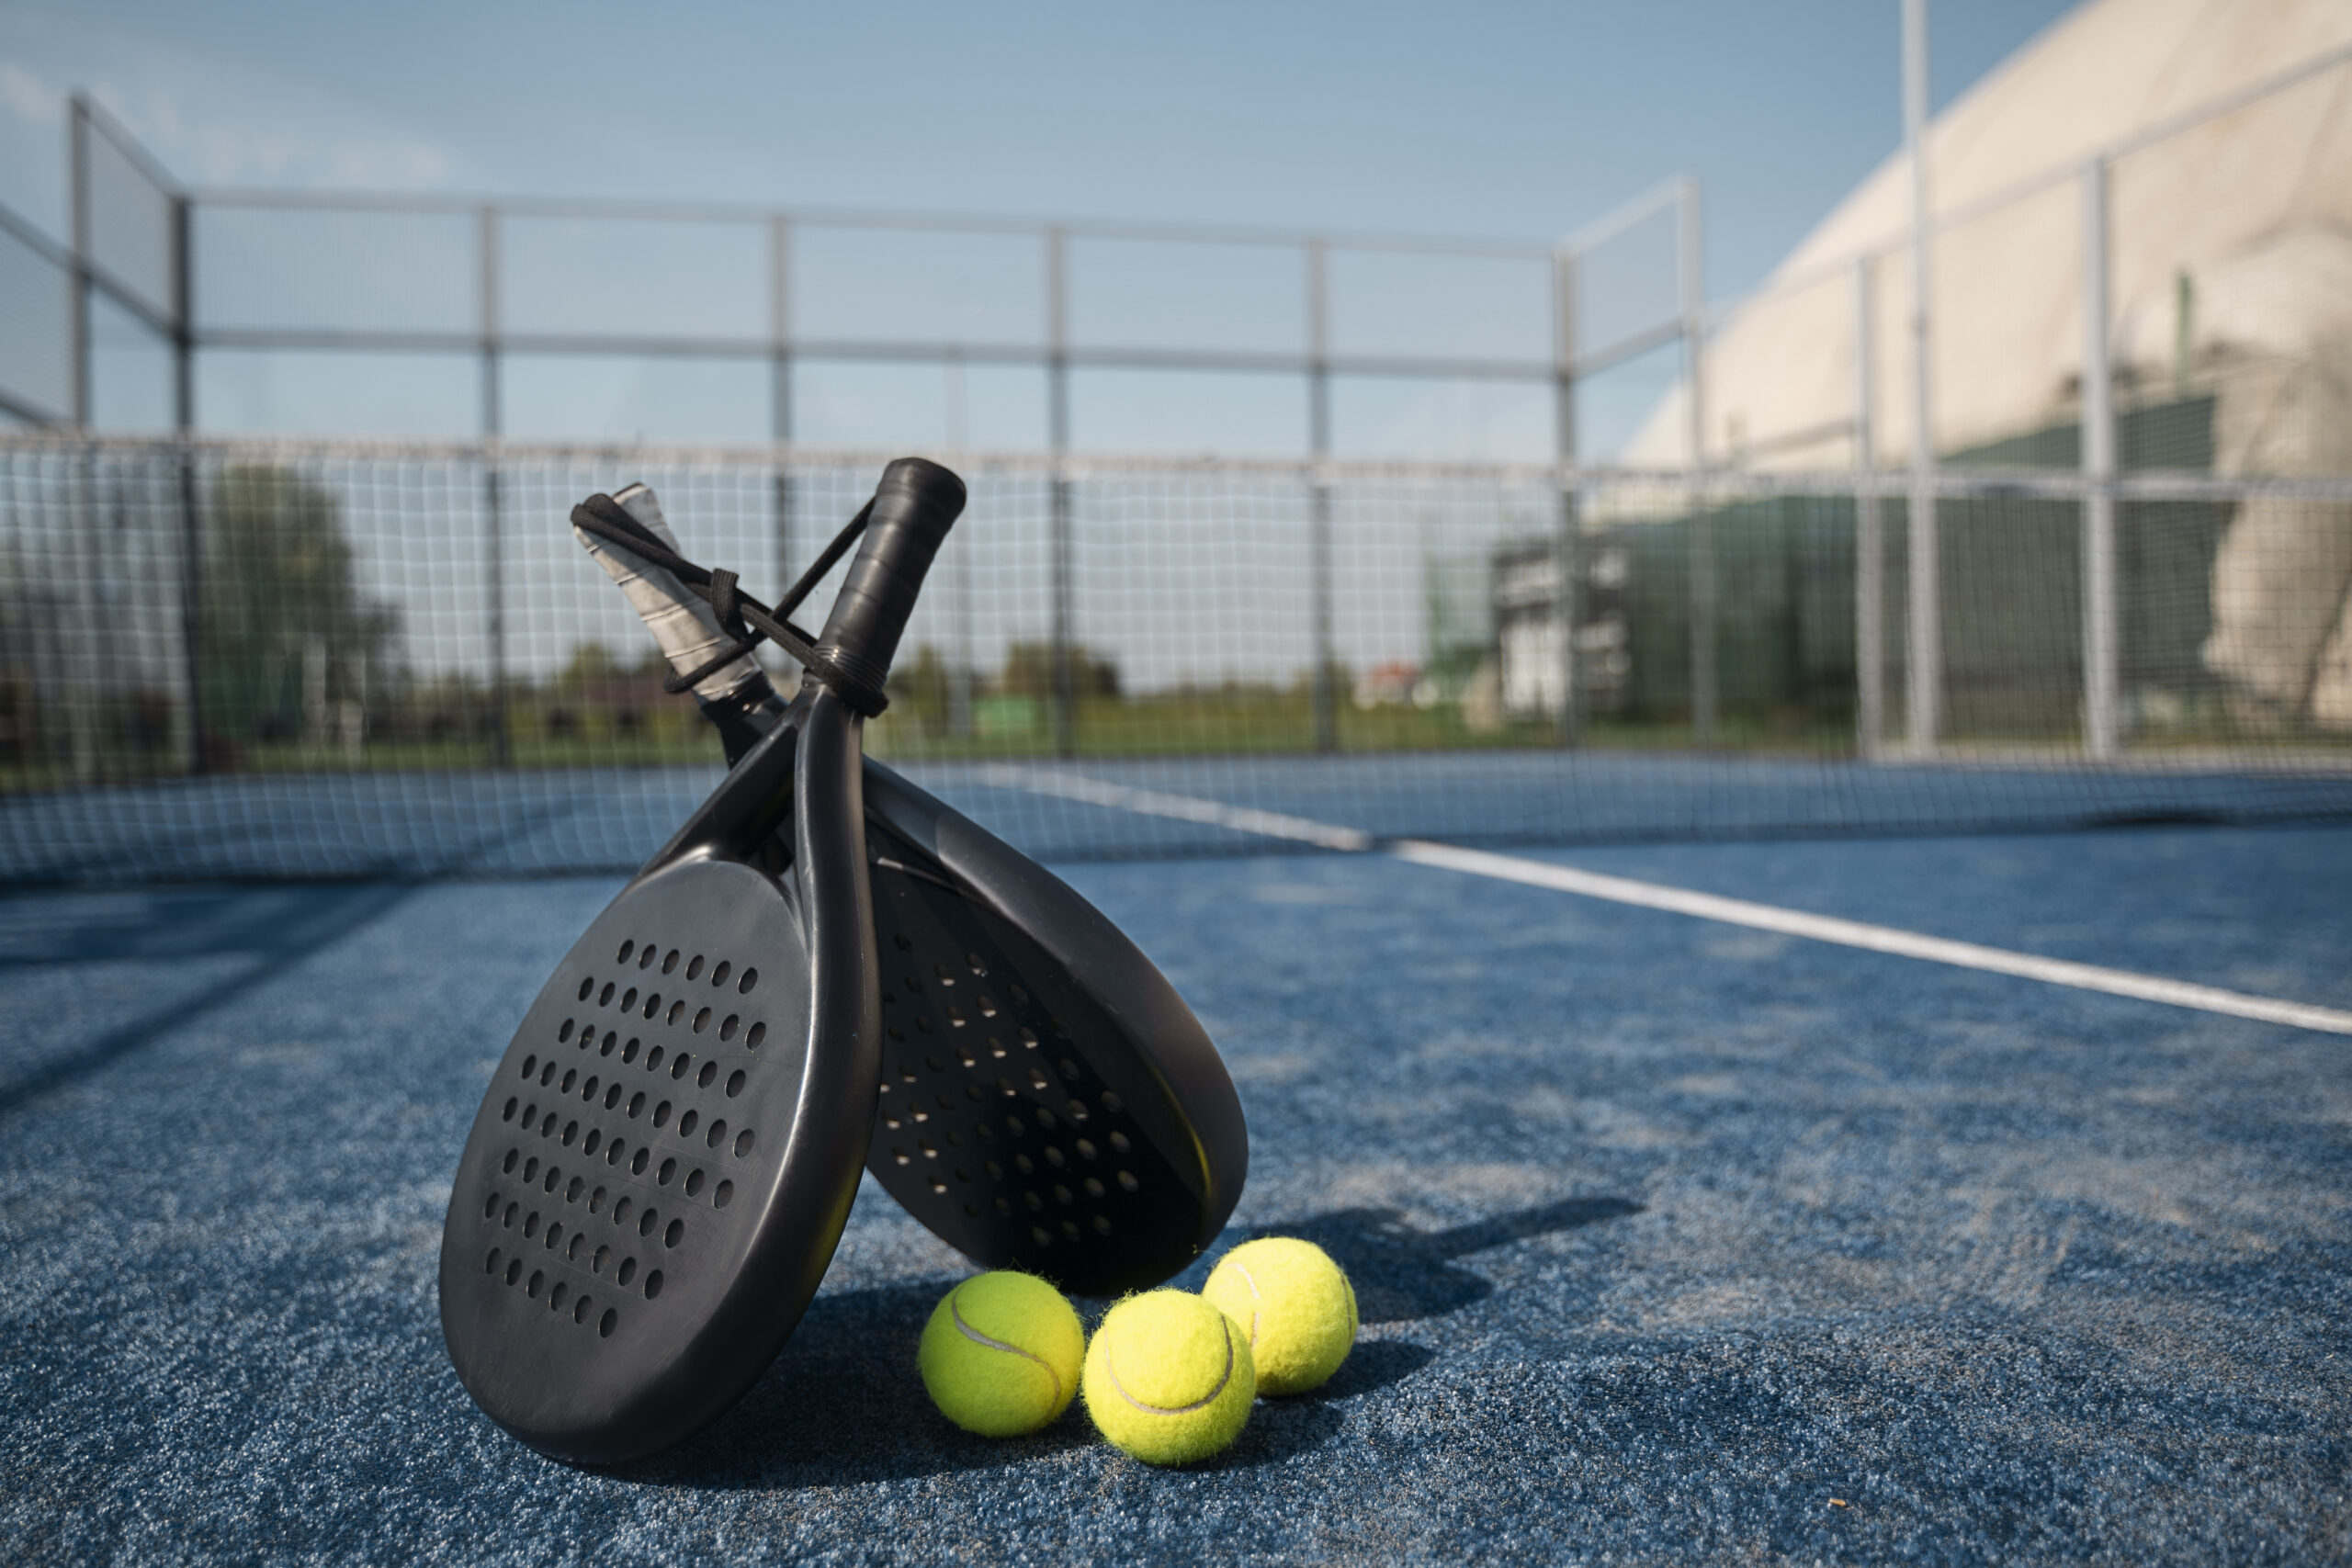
x,y
224,658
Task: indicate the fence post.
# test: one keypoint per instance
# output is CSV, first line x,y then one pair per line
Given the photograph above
x,y
2100,728
1563,429
780,384
1703,525
1869,536
191,534
1920,543
1065,702
493,541
1323,697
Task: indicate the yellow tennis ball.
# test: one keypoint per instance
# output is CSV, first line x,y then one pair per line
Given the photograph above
x,y
1000,1354
1169,1379
1294,1304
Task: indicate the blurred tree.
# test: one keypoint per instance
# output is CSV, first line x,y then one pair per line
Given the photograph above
x,y
1029,672
285,631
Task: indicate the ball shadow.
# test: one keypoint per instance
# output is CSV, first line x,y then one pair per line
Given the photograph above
x,y
1401,1274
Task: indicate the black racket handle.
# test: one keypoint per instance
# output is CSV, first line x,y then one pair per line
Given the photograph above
x,y
914,506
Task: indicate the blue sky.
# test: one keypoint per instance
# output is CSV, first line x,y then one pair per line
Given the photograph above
x,y
1508,119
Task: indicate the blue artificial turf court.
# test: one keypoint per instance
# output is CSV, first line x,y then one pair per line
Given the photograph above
x,y
1675,1238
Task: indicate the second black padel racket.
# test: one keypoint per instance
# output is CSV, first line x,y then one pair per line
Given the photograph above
x,y
664,1162
1047,1102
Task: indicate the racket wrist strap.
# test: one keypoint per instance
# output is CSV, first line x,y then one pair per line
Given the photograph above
x,y
747,622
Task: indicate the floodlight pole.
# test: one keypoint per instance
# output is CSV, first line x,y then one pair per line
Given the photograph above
x,y
1323,698
1869,534
493,541
1065,698
1703,527
1927,672
2100,735
191,535
1565,605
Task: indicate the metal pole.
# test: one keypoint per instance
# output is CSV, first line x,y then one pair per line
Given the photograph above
x,y
1869,534
81,728
2099,672
780,384
1323,697
493,543
960,678
191,535
1564,429
1927,659
1058,435
1702,525
77,157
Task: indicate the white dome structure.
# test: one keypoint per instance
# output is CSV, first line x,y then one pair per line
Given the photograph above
x,y
2230,265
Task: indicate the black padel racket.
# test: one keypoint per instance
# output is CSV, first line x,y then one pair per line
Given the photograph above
x,y
1048,1100
666,1156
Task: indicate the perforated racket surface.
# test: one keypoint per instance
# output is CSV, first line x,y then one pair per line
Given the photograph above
x,y
663,1164
1047,1102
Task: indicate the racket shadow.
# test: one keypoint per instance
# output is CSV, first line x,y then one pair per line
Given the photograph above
x,y
1401,1274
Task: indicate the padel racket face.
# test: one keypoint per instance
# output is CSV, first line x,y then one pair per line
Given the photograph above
x,y
1047,1102
661,1170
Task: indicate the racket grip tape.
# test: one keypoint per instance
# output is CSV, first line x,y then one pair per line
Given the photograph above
x,y
914,506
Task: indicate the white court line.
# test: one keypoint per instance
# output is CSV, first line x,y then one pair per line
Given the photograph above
x,y
1680,901
1183,808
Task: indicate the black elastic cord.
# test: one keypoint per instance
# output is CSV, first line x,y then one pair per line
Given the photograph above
x,y
743,619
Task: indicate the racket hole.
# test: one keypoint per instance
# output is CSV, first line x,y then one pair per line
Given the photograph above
x,y
570,1131
586,986
1093,1188
569,1080
751,979
914,985
531,1225
902,1155
694,967
508,1115
605,996
1037,1234
987,1004
646,1221
611,1040
546,1125
626,949
580,1310
571,1249
645,959
653,1059
903,944
695,1180
1044,1117
554,1175
996,1047
679,1064
1113,1103
596,1264
492,1266
512,1210
489,1210
546,1074
759,1033
1128,1181
677,1011
530,1066
531,1169
661,1114
1119,1142
538,1282
972,1211
734,1083
718,975
723,1196
717,1135
1101,1225
939,1184
670,961
946,975
1063,1195
596,1201
1025,1165
653,1285
612,1097
605,1324
742,1143
620,1211
637,1161
674,1234
652,1005
731,1026
668,1173
686,1123
1003,1206
513,1271
636,1104
1054,1158
1085,1149
1069,1229
628,1270
973,961
1028,1040
1070,1069
709,1075
629,999
972,1092
1013,1125
612,1152
589,1144
572,1189
629,1053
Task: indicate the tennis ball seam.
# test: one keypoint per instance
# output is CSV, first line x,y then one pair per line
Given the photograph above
x,y
1111,1365
1257,1298
976,1337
